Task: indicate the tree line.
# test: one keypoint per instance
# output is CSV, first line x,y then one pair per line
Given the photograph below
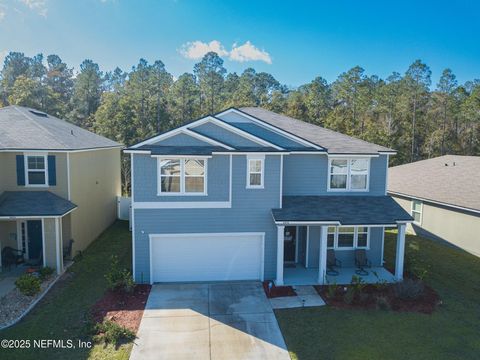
x,y
404,111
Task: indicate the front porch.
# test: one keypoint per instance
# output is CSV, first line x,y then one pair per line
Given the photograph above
x,y
299,275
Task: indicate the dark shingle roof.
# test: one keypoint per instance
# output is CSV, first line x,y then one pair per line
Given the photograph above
x,y
28,129
33,203
348,210
334,142
449,179
200,150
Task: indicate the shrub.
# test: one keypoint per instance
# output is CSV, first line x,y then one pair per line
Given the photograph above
x,y
382,303
45,273
349,296
28,284
409,289
119,279
112,333
331,290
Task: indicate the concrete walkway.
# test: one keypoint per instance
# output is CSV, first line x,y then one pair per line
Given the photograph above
x,y
209,321
7,279
307,296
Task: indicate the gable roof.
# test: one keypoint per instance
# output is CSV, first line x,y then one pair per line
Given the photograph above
x,y
334,142
24,128
452,180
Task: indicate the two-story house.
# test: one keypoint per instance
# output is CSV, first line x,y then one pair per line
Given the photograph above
x,y
58,185
248,194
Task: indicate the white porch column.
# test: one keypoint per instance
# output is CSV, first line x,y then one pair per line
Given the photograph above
x,y
322,260
58,251
280,244
400,252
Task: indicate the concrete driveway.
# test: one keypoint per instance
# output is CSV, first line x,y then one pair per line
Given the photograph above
x,y
209,321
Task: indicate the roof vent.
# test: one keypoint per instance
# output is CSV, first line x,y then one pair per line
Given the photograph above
x,y
38,113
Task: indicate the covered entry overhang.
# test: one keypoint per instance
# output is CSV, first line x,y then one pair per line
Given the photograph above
x,y
339,211
31,222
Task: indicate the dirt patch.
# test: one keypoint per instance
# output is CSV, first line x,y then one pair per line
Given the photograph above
x,y
122,308
278,291
379,297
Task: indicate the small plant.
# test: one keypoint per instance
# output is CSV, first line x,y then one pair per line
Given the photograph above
x,y
382,303
380,284
409,289
28,284
45,273
357,283
112,333
119,279
349,296
331,290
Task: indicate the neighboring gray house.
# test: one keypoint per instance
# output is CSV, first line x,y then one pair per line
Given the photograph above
x,y
248,194
443,196
58,183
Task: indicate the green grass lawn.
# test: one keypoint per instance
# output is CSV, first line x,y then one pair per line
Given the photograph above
x,y
62,313
452,332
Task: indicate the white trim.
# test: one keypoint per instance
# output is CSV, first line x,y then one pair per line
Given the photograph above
x,y
271,127
250,152
169,157
322,259
61,150
400,253
352,156
133,213
383,246
43,242
57,244
307,246
393,193
333,223
280,254
355,238
27,170
281,181
386,174
348,184
230,183
260,158
415,211
189,235
207,139
296,243
136,151
28,217
319,152
182,205
69,195
182,177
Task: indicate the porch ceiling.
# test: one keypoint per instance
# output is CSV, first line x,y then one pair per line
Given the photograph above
x,y
346,210
33,203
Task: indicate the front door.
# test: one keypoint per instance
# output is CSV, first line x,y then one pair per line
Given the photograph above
x,y
290,241
34,231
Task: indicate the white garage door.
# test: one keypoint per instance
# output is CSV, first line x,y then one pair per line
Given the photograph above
x,y
207,257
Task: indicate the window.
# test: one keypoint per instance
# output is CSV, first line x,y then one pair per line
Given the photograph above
x,y
36,170
182,176
348,174
255,172
417,207
348,237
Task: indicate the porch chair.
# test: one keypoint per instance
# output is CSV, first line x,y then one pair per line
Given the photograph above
x,y
361,262
11,256
332,262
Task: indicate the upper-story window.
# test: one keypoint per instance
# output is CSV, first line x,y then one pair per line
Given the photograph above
x,y
348,174
255,169
36,170
348,237
417,207
182,176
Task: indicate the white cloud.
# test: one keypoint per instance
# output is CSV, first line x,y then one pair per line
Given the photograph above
x,y
196,49
247,52
36,5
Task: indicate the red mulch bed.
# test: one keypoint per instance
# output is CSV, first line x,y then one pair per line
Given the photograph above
x,y
278,291
122,308
425,304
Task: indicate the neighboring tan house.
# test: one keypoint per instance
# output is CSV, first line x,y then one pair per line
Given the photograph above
x,y
58,183
248,194
443,196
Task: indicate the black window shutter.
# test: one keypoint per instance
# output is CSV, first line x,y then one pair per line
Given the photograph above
x,y
52,171
20,170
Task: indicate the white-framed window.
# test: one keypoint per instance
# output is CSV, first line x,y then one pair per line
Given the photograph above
x,y
36,170
182,176
417,207
348,174
348,237
255,171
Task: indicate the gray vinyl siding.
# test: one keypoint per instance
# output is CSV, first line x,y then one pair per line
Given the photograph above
x,y
224,135
250,212
146,180
182,140
308,175
347,257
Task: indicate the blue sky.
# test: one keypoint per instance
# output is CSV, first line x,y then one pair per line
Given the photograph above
x,y
293,40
